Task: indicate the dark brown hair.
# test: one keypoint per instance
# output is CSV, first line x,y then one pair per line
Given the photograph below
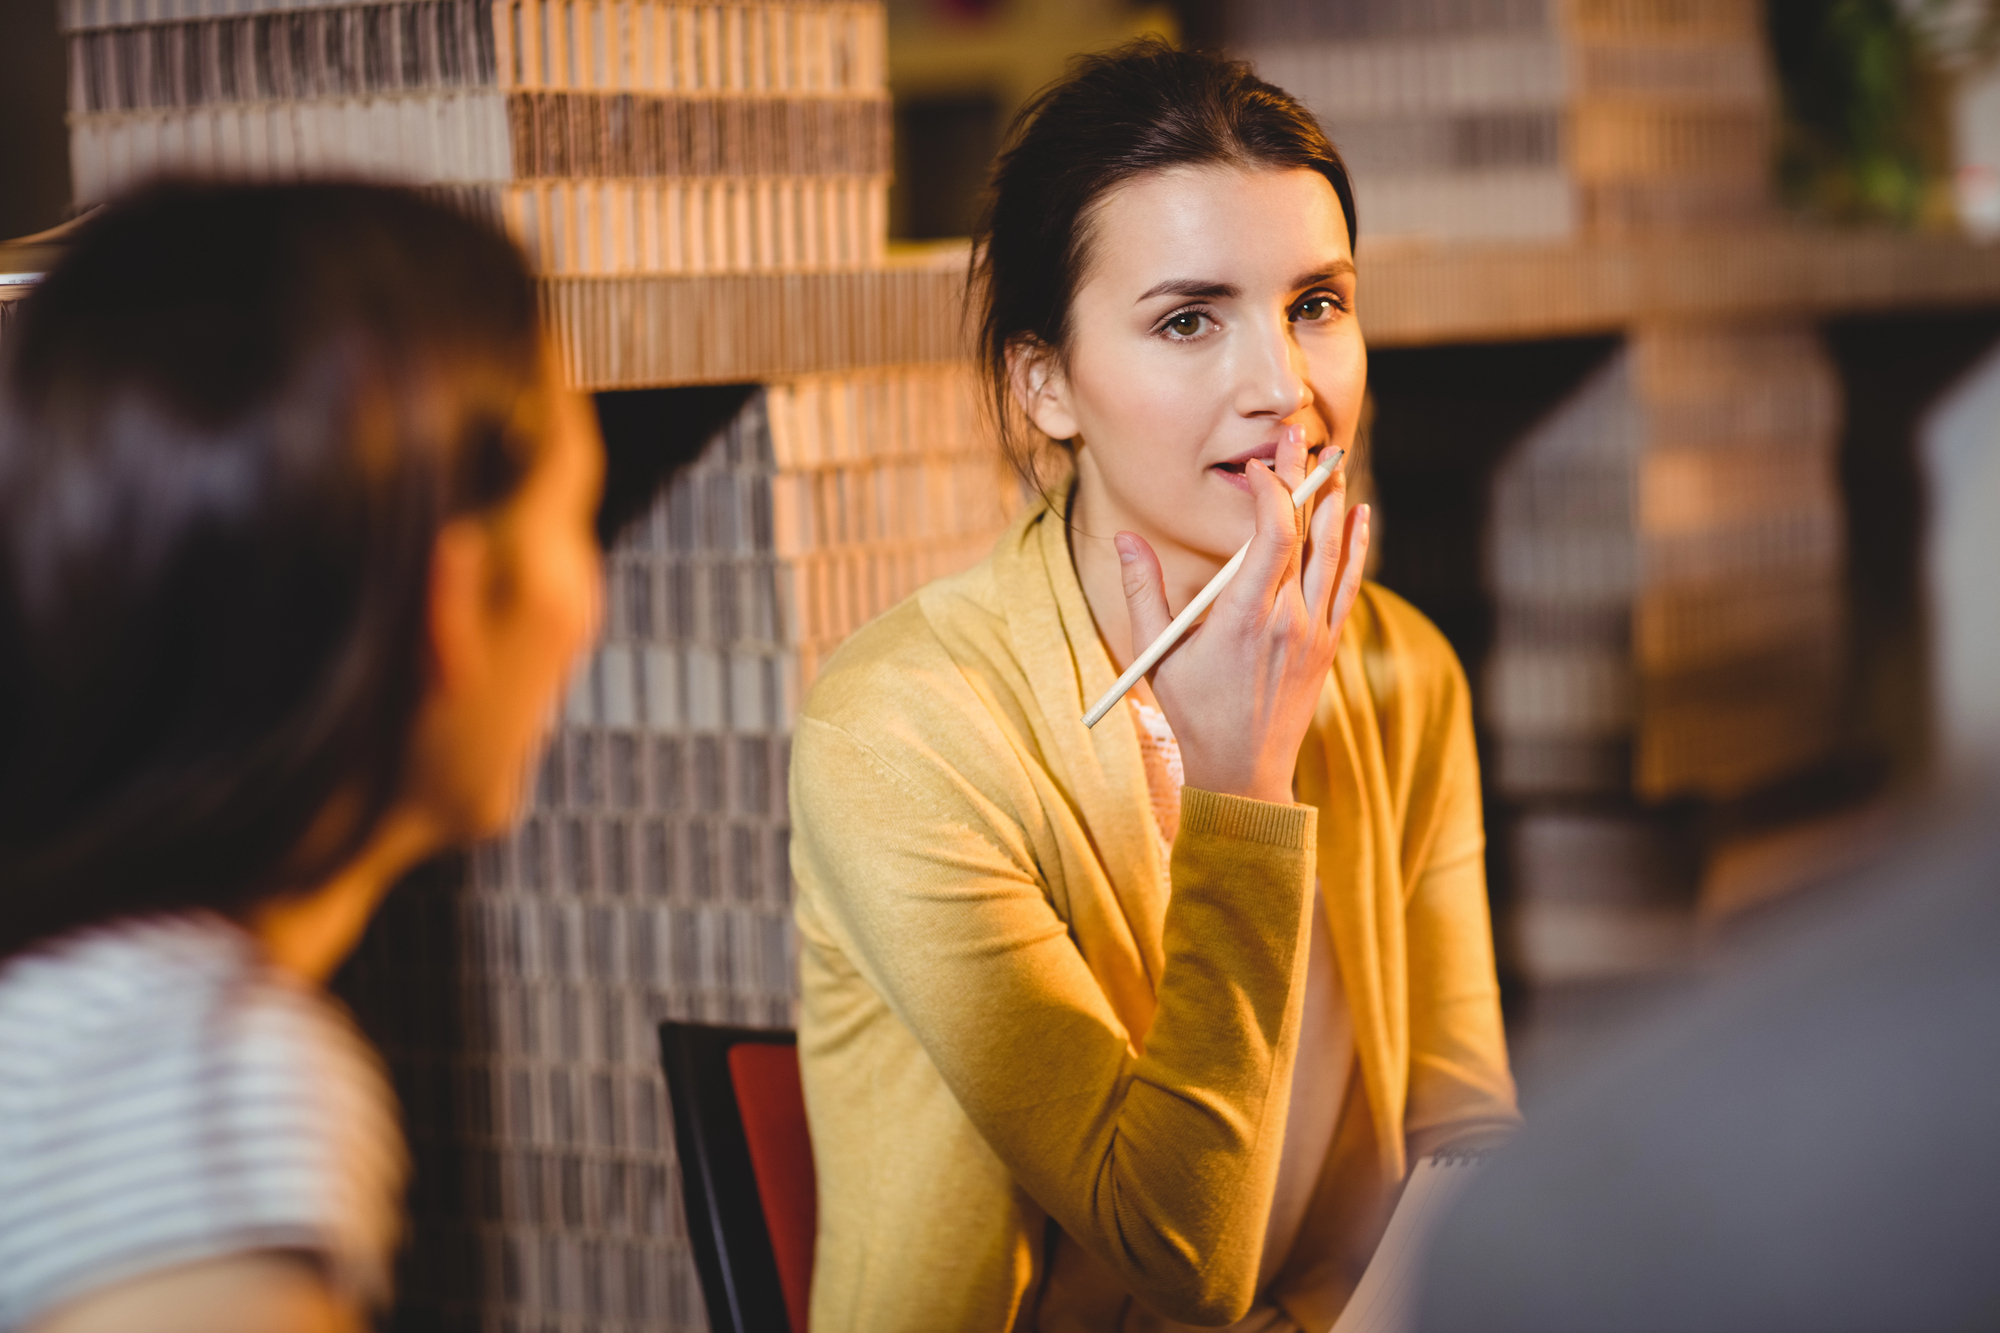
x,y
1140,108
233,420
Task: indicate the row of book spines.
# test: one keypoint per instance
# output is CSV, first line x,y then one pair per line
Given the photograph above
x,y
560,1280
637,770
632,134
1539,204
750,610
1601,568
260,52
1304,20
632,44
626,860
1594,141
892,506
1252,22
598,228
840,591
656,950
1568,691
750,607
617,333
1740,729
1672,633
1531,768
1665,20
485,137
1677,630
1602,692
1685,491
1344,82
498,1277
575,1065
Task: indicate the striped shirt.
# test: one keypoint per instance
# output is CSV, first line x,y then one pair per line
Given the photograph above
x,y
167,1097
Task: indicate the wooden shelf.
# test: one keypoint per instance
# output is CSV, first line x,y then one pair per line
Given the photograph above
x,y
635,332
1412,296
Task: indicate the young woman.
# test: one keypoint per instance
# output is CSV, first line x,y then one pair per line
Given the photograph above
x,y
1141,1026
295,552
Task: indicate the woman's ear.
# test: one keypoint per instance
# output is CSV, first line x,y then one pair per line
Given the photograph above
x,y
460,603
1034,372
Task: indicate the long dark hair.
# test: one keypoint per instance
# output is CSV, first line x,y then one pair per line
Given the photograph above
x,y
233,420
1139,108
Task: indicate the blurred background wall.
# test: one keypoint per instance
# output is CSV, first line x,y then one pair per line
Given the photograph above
x,y
34,143
1684,427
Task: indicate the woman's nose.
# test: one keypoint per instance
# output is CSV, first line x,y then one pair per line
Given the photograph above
x,y
1271,372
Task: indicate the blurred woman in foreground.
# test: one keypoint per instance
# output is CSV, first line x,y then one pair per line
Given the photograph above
x,y
295,555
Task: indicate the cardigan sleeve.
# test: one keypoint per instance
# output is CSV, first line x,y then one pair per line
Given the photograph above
x,y
1461,1091
1161,1162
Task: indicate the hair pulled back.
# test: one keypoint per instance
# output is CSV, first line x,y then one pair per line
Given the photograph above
x,y
233,420
1139,108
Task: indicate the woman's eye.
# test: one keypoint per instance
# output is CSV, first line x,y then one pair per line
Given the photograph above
x,y
1316,308
1187,324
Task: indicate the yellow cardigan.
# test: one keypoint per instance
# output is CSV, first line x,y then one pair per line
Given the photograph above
x,y
1010,1027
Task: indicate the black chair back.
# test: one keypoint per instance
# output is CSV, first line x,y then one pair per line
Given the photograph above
x,y
732,1247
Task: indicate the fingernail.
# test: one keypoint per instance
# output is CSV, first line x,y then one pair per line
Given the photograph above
x,y
1126,553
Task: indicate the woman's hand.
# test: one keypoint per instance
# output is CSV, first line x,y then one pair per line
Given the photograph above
x,y
1240,689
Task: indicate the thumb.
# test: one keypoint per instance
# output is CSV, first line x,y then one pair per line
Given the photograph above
x,y
1145,590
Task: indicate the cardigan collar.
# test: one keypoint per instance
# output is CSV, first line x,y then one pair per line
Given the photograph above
x,y
1102,774
1068,667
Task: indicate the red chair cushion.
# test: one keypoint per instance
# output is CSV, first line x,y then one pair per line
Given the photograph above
x,y
773,1105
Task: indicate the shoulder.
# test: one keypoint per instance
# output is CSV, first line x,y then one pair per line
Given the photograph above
x,y
166,1097
930,671
1406,657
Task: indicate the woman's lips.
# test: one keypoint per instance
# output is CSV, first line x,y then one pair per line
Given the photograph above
x,y
1236,473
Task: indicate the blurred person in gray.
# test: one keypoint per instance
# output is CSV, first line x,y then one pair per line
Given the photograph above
x,y
1811,1143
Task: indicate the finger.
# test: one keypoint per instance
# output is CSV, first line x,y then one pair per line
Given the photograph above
x,y
1274,545
1325,540
1290,464
1145,590
1354,559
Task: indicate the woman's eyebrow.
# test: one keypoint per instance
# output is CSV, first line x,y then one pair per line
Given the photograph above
x,y
1197,287
1340,268
1206,289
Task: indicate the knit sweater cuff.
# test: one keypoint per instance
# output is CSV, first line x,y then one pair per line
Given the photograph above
x,y
1292,827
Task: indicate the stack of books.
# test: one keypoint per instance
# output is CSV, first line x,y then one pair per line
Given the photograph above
x,y
1562,563
1739,626
610,136
1672,114
1665,554
1515,119
1451,116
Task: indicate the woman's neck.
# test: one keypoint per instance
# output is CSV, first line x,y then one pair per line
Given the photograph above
x,y
309,934
1094,520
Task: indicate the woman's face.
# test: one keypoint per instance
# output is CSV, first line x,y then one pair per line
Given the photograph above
x,y
516,597
1217,309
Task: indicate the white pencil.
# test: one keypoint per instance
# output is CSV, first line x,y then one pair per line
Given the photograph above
x,y
1171,635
